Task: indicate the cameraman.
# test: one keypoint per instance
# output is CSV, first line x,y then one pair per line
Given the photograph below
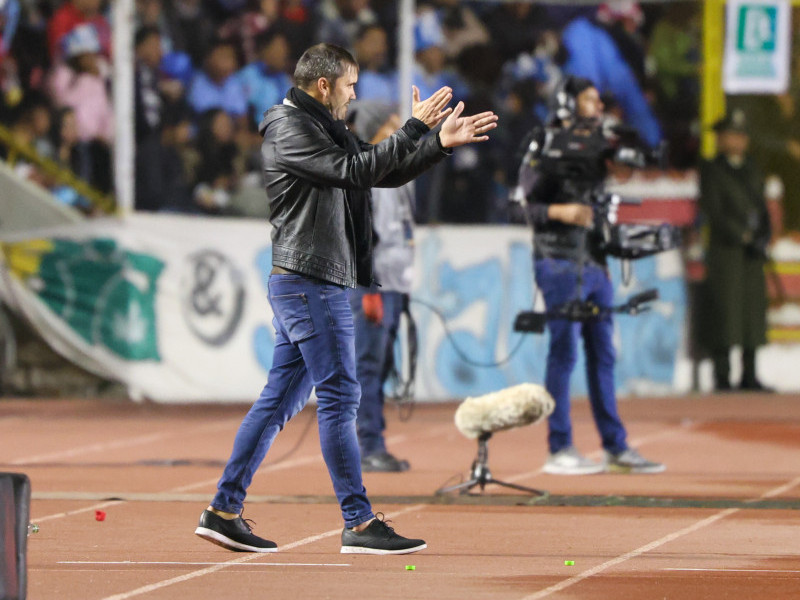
x,y
562,173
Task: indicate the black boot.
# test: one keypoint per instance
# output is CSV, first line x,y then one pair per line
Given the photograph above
x,y
750,382
722,371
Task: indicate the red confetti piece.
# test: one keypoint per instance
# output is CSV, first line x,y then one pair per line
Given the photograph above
x,y
100,515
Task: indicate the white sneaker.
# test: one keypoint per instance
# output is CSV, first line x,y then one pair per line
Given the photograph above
x,y
570,462
630,461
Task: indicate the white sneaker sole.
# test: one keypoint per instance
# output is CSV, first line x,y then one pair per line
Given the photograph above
x,y
636,470
365,550
588,470
220,540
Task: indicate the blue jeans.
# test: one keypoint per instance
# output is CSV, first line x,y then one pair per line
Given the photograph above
x,y
374,356
314,347
557,279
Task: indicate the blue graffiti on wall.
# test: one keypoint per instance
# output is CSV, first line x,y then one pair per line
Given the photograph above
x,y
479,302
264,336
649,342
493,291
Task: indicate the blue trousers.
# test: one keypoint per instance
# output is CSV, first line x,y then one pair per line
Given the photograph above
x,y
557,279
374,356
314,348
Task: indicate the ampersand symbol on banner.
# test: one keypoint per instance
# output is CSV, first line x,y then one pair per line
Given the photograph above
x,y
204,300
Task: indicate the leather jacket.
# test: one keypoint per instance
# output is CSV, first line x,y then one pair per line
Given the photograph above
x,y
307,177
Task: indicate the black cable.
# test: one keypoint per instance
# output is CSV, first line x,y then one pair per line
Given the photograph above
x,y
461,354
402,394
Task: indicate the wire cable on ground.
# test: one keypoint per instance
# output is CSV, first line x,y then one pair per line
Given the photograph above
x,y
459,351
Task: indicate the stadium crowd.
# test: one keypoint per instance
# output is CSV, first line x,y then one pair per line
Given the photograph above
x,y
206,70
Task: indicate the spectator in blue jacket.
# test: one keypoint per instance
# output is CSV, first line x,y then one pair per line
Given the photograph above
x,y
594,56
376,79
217,86
266,81
431,70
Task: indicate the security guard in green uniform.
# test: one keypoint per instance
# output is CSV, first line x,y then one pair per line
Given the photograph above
x,y
734,209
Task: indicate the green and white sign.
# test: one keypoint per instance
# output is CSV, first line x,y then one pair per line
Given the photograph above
x,y
757,47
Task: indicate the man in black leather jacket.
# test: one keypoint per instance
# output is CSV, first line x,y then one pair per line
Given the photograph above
x,y
318,178
563,171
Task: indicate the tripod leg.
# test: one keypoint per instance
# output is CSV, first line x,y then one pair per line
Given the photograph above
x,y
462,488
521,488
481,475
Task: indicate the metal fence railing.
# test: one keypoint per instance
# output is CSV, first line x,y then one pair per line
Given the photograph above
x,y
58,173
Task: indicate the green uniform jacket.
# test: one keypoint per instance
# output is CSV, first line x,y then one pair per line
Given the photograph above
x,y
733,206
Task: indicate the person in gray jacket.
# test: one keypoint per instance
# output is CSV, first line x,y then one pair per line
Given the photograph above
x,y
318,179
377,310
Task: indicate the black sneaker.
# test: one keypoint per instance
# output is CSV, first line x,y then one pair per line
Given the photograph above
x,y
233,534
383,462
378,538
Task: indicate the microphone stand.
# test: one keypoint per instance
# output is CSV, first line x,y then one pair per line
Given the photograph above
x,y
481,475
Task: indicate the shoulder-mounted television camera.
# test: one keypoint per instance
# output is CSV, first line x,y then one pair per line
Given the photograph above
x,y
629,241
580,151
628,148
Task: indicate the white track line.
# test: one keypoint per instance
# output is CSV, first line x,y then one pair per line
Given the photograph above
x,y
194,564
77,511
735,570
193,575
236,561
92,448
629,555
653,545
101,447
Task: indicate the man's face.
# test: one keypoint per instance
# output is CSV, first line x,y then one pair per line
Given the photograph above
x,y
432,59
149,51
733,142
276,53
222,63
341,93
588,104
371,49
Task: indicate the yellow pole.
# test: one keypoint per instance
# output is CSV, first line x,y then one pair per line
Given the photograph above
x,y
712,98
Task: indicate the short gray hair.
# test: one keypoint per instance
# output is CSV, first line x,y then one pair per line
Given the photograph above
x,y
322,60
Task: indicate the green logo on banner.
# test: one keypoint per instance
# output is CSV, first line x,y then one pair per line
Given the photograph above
x,y
756,40
105,294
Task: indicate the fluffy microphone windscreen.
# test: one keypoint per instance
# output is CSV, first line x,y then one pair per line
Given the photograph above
x,y
510,407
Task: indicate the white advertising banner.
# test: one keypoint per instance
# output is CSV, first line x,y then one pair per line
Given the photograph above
x,y
757,46
171,306
175,307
